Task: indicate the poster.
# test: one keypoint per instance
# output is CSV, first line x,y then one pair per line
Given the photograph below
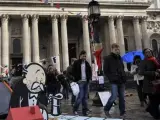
x,y
101,80
55,59
104,96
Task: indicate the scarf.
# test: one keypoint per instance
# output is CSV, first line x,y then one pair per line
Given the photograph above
x,y
155,61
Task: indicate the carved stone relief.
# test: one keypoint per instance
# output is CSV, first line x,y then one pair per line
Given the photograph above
x,y
154,26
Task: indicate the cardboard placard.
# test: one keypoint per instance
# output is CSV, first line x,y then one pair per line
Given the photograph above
x,y
104,96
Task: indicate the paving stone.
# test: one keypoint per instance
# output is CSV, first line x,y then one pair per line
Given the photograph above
x,y
133,109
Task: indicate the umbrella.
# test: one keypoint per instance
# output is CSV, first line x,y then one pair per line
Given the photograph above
x,y
5,94
128,57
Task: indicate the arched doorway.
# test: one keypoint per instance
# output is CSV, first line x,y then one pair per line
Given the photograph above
x,y
155,43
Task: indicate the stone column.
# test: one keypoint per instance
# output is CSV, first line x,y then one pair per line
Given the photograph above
x,y
35,39
106,39
86,40
120,34
137,33
145,39
5,40
55,40
64,38
26,40
119,24
111,26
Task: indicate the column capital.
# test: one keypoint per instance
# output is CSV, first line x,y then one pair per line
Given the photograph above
x,y
121,17
54,17
25,17
4,17
35,17
136,18
85,17
64,17
111,17
144,18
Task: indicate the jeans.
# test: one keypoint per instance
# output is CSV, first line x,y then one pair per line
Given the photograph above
x,y
116,90
82,97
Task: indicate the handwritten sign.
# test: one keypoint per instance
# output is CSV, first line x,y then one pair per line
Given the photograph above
x,y
101,80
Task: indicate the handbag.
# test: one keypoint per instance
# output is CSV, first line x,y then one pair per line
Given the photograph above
x,y
156,86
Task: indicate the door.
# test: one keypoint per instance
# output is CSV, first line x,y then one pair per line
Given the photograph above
x,y
72,51
16,61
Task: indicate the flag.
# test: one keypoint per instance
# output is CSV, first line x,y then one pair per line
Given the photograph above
x,y
97,54
44,1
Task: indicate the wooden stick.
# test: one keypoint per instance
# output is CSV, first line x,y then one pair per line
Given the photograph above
x,y
7,86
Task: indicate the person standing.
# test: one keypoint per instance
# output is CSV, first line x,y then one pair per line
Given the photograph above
x,y
138,78
114,70
70,77
149,68
82,73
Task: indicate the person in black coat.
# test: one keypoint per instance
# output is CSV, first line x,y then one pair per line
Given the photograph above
x,y
82,75
70,77
53,85
149,68
114,70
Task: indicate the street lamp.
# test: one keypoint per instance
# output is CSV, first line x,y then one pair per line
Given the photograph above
x,y
94,10
94,15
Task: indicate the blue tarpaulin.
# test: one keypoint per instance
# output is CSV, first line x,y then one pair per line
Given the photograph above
x,y
128,57
4,99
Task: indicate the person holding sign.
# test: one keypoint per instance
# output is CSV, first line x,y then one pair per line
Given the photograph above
x,y
114,70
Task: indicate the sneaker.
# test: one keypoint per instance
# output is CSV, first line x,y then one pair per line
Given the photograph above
x,y
86,113
108,114
75,113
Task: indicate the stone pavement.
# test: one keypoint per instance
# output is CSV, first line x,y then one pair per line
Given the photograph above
x,y
133,109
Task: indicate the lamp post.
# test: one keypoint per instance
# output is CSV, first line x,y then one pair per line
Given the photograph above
x,y
94,15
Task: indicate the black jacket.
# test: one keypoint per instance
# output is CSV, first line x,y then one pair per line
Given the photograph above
x,y
147,69
76,70
114,69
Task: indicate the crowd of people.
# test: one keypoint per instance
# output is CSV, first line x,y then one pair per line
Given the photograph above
x,y
145,72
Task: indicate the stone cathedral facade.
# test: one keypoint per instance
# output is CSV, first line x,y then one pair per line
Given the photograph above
x,y
32,31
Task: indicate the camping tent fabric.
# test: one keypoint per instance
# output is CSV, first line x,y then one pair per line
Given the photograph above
x,y
4,99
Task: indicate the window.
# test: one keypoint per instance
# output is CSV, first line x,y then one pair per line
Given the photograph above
x,y
155,47
126,49
16,46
